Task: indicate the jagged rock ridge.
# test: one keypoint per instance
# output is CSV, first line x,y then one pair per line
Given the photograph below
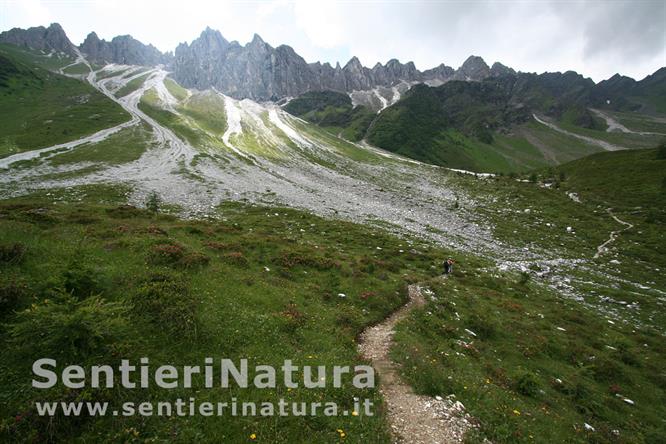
x,y
48,39
122,49
259,71
256,70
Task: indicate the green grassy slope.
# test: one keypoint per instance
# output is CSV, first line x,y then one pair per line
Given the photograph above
x,y
454,125
132,85
624,180
481,125
641,122
333,111
87,280
542,364
124,146
78,69
37,58
625,140
40,108
263,276
201,120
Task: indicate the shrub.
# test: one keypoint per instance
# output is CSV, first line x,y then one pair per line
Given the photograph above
x,y
195,259
235,258
527,384
80,280
293,318
533,178
166,300
607,370
482,326
39,216
154,229
67,328
661,150
221,246
153,202
11,293
12,253
167,253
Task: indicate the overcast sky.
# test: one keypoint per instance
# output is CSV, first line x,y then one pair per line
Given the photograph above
x,y
595,38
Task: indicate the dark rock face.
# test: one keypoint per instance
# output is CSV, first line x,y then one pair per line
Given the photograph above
x,y
498,70
48,39
256,70
441,72
259,71
123,49
474,68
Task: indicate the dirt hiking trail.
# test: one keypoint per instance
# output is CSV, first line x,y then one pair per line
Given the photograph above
x,y
413,418
601,249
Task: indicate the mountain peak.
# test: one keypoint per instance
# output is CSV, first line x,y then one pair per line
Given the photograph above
x,y
474,68
256,40
123,49
499,69
52,38
55,26
474,60
353,63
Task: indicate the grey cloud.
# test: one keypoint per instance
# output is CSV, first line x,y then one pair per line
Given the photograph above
x,y
632,30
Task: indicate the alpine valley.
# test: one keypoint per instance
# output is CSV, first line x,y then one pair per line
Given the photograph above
x,y
235,200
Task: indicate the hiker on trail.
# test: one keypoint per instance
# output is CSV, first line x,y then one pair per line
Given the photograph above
x,y
448,266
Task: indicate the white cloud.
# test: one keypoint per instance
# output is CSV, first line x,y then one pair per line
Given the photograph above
x,y
322,21
23,13
594,38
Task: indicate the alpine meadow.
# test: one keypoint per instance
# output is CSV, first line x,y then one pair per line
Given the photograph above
x,y
232,242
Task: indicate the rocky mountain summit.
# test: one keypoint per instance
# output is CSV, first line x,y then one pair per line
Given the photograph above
x,y
474,68
259,71
48,39
255,70
122,49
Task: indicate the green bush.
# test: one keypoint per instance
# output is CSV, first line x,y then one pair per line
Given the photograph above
x,y
11,293
153,202
482,326
527,384
167,253
194,260
80,280
12,253
661,151
66,328
166,300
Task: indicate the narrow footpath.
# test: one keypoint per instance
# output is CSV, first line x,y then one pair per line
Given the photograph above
x,y
413,418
